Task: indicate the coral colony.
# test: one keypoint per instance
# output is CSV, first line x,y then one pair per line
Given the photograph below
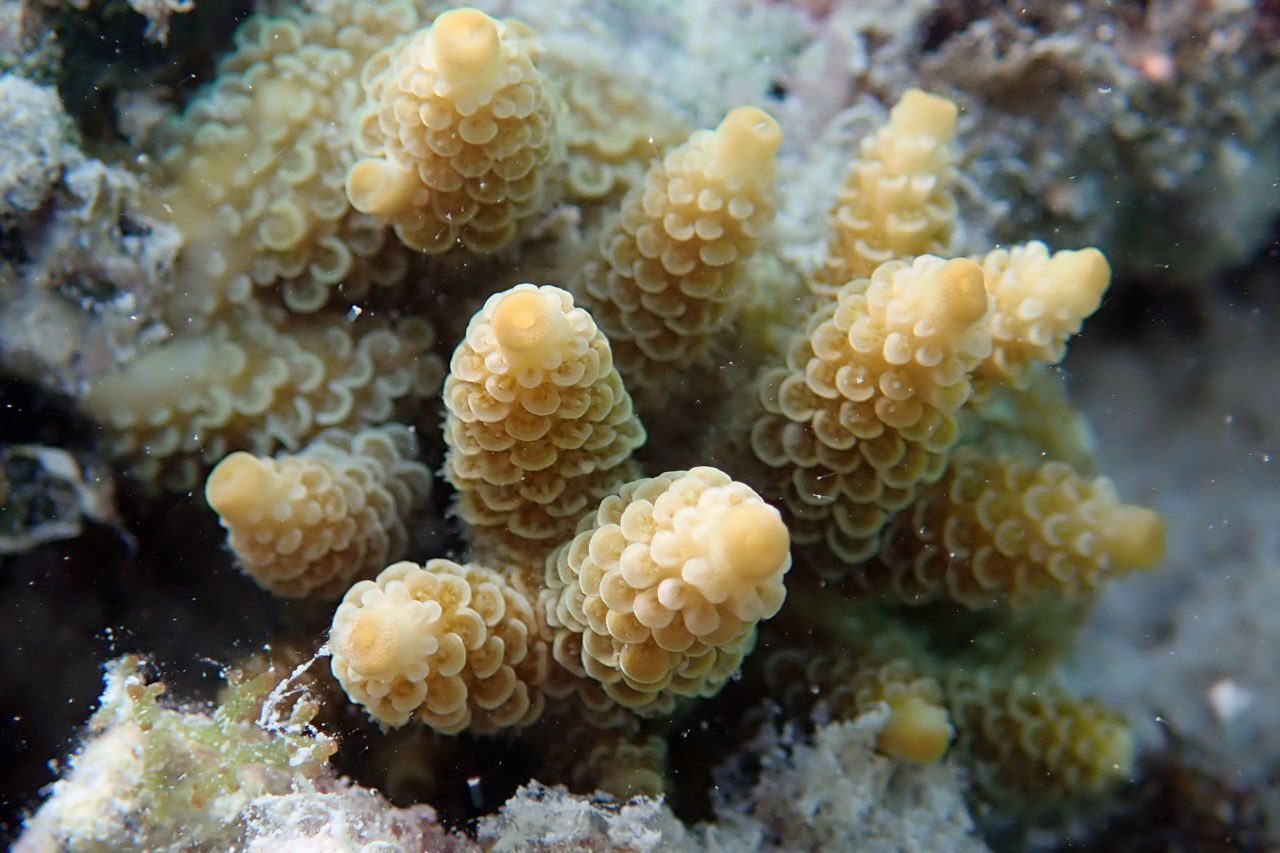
x,y
881,488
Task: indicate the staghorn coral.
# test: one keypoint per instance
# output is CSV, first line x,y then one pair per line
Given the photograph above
x,y
896,201
254,168
453,645
864,411
668,275
309,524
539,432
1031,737
538,424
1039,300
666,585
1005,529
460,136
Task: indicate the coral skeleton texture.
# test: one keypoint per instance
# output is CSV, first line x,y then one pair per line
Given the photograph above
x,y
898,478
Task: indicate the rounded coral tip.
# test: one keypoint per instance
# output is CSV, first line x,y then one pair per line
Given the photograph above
x,y
918,111
959,297
1134,537
749,136
379,187
236,485
467,47
1085,276
918,730
523,325
751,544
747,140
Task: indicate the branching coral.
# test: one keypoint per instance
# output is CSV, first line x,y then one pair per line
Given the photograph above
x,y
539,426
667,583
1033,738
1005,529
670,263
864,411
308,525
900,430
455,646
1039,300
896,200
460,137
255,166
247,385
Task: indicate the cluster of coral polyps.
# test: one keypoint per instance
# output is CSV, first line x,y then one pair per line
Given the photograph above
x,y
909,446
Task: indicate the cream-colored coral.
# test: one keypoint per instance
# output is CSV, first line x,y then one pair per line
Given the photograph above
x,y
896,200
667,583
863,413
248,385
254,169
456,646
311,523
1034,741
1004,529
854,660
613,128
460,135
668,273
1038,300
919,728
539,427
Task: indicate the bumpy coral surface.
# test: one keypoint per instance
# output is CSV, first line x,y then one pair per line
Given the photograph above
x,y
452,645
539,425
864,411
896,200
309,524
248,385
883,391
460,135
1040,299
666,585
1064,745
670,261
256,163
1003,529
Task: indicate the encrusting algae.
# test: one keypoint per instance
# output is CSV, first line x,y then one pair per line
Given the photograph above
x,y
855,466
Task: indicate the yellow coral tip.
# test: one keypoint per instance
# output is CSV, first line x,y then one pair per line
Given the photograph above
x,y
236,483
379,187
466,44
1085,275
918,730
522,325
918,111
752,543
747,139
1134,537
